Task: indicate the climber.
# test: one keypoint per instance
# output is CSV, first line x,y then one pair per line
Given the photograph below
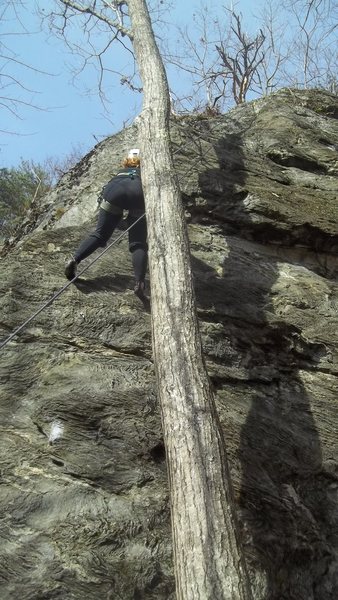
x,y
122,192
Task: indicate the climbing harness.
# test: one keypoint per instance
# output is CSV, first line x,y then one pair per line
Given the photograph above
x,y
131,174
57,294
132,154
108,207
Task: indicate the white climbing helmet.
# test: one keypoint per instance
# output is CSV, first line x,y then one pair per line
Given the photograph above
x,y
134,153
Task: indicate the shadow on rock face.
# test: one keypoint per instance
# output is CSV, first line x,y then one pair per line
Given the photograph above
x,y
106,283
284,496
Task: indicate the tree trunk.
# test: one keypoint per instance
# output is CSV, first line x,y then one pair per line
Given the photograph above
x,y
207,556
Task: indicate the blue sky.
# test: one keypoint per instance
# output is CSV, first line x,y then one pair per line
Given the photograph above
x,y
70,116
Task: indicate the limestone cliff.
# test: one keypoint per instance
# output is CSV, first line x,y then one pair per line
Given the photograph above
x,y
83,495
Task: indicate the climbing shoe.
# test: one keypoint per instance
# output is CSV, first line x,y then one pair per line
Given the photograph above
x,y
70,270
139,289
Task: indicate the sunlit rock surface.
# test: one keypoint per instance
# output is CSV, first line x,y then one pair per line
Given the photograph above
x,y
83,496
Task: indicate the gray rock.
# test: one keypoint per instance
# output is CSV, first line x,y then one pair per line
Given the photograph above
x,y
84,495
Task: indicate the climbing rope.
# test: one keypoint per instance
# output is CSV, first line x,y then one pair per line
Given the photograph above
x,y
57,294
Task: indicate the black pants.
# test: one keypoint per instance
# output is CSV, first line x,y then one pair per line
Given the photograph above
x,y
106,224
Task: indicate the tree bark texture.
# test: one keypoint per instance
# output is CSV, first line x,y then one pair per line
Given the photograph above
x,y
207,555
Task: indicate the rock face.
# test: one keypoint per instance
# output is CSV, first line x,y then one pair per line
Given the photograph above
x,y
84,499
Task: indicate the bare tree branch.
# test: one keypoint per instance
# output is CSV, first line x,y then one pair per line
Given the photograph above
x,y
12,68
101,23
242,66
116,6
